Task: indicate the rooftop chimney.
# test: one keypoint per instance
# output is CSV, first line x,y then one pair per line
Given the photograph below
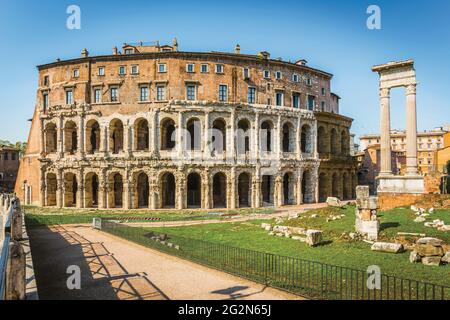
x,y
115,51
84,53
175,44
237,49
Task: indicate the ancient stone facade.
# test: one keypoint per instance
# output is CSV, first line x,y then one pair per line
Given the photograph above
x,y
158,128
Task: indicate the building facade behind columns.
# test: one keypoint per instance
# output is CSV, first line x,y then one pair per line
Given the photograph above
x,y
153,127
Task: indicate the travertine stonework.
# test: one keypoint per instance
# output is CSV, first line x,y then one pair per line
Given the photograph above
x,y
177,130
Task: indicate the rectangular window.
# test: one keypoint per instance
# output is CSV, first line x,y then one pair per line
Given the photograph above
x,y
122,70
295,100
311,103
101,71
114,94
246,73
205,68
251,95
160,93
295,77
13,156
162,68
69,96
266,74
323,91
190,92
144,93
134,69
45,101
76,73
46,81
223,93
309,82
279,99
219,68
97,95
129,51
5,156
190,67
323,106
278,75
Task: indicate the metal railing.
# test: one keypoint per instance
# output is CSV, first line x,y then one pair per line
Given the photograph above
x,y
6,211
310,279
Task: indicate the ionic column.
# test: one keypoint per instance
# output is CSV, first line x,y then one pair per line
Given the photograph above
x,y
80,191
298,138
128,141
206,138
278,132
61,138
256,138
385,127
102,190
104,141
180,134
81,151
59,189
232,136
411,131
153,121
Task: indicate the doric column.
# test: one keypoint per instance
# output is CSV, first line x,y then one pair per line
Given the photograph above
x,y
43,188
206,190
256,138
80,190
61,137
411,131
128,141
314,140
153,121
102,190
232,136
232,188
104,141
385,127
278,191
81,144
180,134
206,137
181,200
59,189
257,185
299,186
298,138
278,132
126,190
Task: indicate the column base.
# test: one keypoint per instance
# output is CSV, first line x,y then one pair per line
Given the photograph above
x,y
401,184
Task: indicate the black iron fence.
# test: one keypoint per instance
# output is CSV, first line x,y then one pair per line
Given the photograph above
x,y
310,279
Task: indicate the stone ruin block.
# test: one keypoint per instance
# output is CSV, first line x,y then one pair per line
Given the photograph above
x,y
366,222
362,192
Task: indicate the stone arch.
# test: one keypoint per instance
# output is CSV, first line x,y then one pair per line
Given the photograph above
x,y
288,188
194,190
168,190
288,137
70,190
116,134
141,135
345,143
51,139
115,193
70,137
307,187
51,186
219,187
244,190
323,187
142,190
167,134
91,190
334,141
268,190
306,139
92,136
194,134
335,181
243,136
219,136
267,136
322,141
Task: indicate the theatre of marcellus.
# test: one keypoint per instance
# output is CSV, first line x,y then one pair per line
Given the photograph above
x,y
150,126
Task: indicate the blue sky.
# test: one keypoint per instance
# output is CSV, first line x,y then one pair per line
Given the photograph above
x,y
331,35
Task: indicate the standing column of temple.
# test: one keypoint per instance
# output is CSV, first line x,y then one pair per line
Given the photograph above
x,y
385,125
411,131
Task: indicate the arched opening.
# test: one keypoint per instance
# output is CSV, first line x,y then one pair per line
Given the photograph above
x,y
266,136
91,190
244,190
193,140
307,187
306,141
116,136
345,142
288,189
335,185
142,189
220,190
267,189
347,186
52,186
219,137
323,187
167,134
70,137
334,140
322,144
116,191
93,137
50,138
288,137
168,190
194,190
70,190
141,135
243,134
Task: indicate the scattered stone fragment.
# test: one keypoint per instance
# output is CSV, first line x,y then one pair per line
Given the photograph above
x,y
265,225
431,210
420,219
271,233
334,202
428,246
314,216
446,257
414,257
298,238
177,247
268,228
444,228
431,261
387,247
313,237
414,208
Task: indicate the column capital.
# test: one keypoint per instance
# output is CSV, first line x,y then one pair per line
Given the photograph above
x,y
411,88
385,92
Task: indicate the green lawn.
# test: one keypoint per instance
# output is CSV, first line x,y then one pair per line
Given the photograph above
x,y
36,216
340,250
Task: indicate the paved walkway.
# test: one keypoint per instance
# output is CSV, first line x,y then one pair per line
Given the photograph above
x,y
113,268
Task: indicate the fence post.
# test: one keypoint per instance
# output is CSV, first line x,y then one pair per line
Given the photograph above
x,y
16,223
15,272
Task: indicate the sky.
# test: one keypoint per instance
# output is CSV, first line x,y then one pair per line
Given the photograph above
x,y
332,35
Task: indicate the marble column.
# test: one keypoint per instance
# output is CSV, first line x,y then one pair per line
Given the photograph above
x,y
385,127
411,131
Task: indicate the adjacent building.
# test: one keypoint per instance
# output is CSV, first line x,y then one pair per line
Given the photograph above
x,y
9,166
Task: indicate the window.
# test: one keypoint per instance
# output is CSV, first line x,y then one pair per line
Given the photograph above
x,y
134,69
129,51
295,77
323,106
45,101
223,93
251,95
46,81
278,75
69,96
101,71
122,70
144,93
114,94
323,91
311,103
190,92
160,93
190,68
246,73
13,156
5,156
309,82
162,68
266,74
295,100
219,68
279,97
76,73
204,68
97,95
